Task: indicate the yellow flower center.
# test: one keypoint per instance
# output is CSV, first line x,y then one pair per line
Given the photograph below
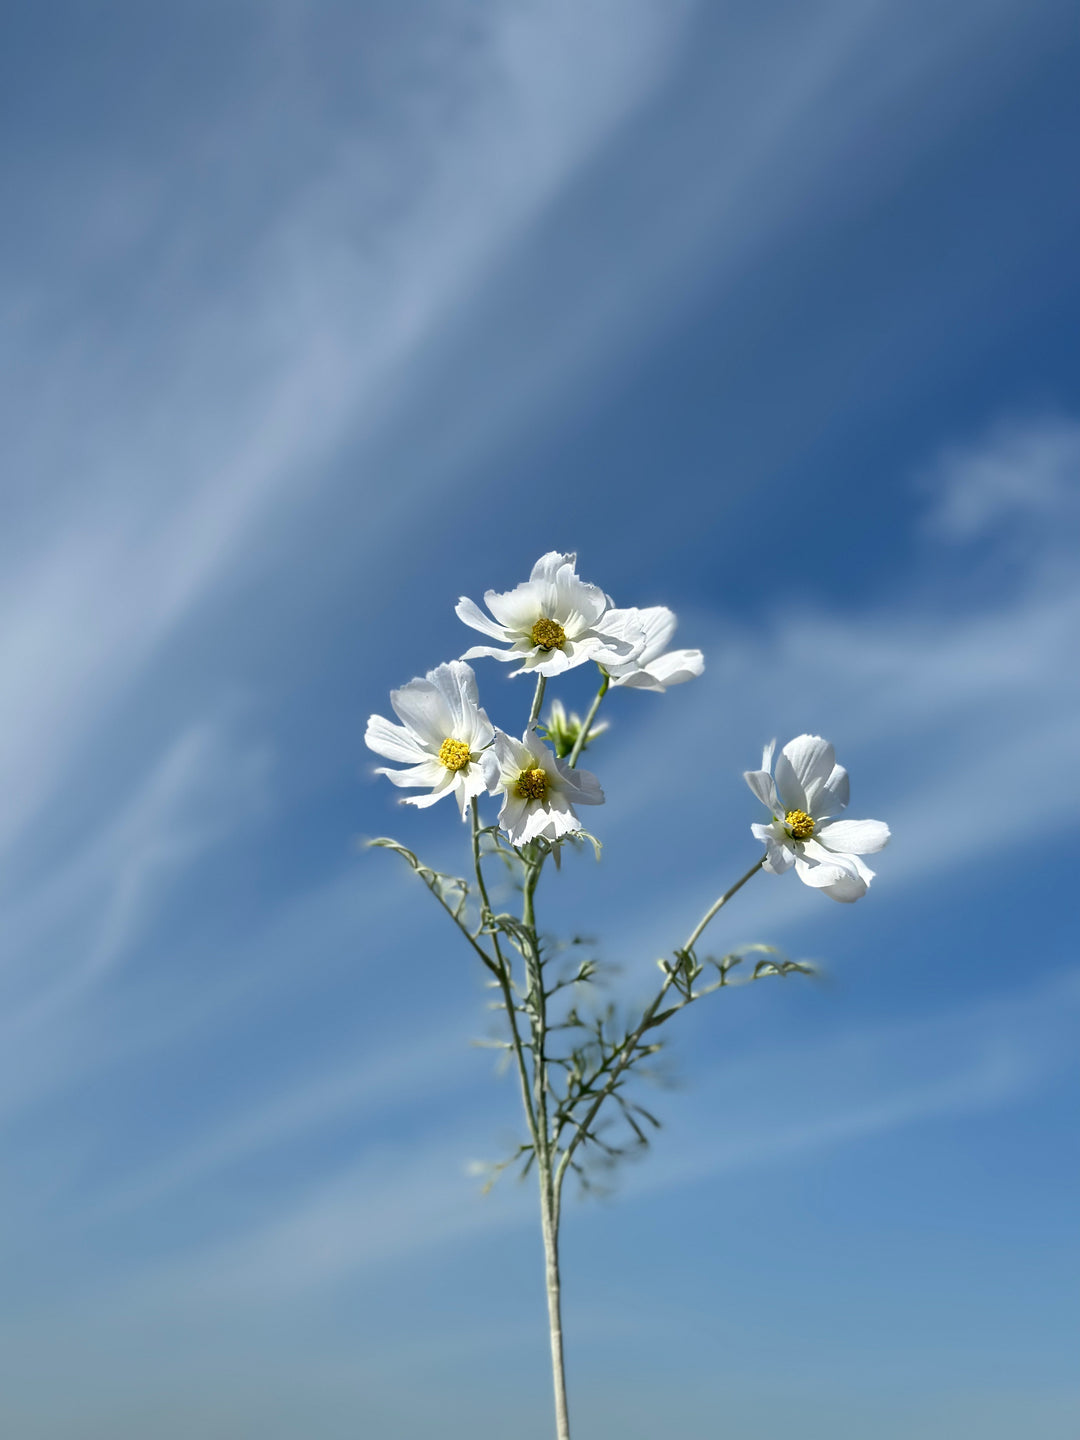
x,y
454,754
799,824
548,634
532,784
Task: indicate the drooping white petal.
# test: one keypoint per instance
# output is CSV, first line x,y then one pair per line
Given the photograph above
x,y
580,786
395,742
833,795
651,668
427,772
468,611
811,759
788,785
505,760
471,782
513,817
559,817
489,652
853,886
817,873
518,609
676,667
444,787
456,682
779,852
548,662
761,783
658,624
620,639
424,710
577,605
853,837
847,889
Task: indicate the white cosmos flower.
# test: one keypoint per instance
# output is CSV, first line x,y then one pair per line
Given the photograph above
x,y
541,791
553,621
808,793
657,667
441,740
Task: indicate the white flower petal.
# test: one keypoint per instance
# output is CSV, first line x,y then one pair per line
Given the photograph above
x,y
560,817
658,625
513,817
580,786
471,782
393,741
853,837
444,787
518,609
619,639
488,652
574,603
788,785
779,853
428,772
549,565
424,710
546,663
761,783
456,683
817,874
812,760
853,885
640,680
847,889
468,611
676,667
833,795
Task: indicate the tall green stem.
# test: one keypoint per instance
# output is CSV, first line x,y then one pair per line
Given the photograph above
x,y
538,700
583,733
505,980
549,1199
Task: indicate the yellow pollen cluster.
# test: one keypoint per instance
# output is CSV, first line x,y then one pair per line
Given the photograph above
x,y
454,754
799,824
531,784
548,634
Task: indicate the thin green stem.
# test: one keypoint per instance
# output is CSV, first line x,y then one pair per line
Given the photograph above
x,y
539,1003
503,975
696,933
549,1197
538,700
583,733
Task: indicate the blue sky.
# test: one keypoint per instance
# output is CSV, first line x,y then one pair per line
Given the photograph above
x,y
317,316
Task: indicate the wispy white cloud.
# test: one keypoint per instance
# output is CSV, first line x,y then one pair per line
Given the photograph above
x,y
345,285
1022,470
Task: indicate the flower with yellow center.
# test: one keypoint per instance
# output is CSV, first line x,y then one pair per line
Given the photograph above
x,y
531,784
539,790
805,798
454,754
548,634
442,739
553,621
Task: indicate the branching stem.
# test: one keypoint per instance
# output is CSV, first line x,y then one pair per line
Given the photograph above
x,y
629,1046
